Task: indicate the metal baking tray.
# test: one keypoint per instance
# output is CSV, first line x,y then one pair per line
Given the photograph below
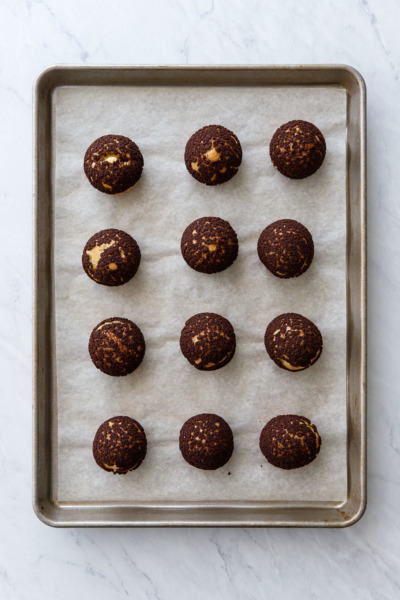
x,y
256,514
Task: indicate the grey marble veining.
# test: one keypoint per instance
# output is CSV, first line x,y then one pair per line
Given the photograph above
x,y
360,562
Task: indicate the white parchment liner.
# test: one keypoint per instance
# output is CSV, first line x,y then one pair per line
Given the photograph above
x,y
166,390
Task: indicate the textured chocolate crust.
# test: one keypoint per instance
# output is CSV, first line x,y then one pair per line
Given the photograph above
x,y
111,257
209,245
116,346
290,441
293,342
297,149
208,341
286,248
206,441
119,445
213,155
113,164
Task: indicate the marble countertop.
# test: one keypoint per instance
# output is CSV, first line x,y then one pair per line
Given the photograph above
x,y
359,562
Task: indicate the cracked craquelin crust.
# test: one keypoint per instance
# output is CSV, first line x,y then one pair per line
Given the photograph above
x,y
286,248
290,441
208,341
297,149
111,257
119,445
206,441
213,155
113,164
209,245
116,346
293,342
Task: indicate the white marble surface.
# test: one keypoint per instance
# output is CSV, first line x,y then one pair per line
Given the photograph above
x,y
360,562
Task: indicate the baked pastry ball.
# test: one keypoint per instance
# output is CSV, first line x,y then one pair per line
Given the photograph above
x,y
111,257
297,149
119,445
208,341
293,342
116,346
213,155
290,441
286,248
209,245
113,164
206,441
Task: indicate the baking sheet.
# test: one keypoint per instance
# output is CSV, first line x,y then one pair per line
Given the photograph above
x,y
166,390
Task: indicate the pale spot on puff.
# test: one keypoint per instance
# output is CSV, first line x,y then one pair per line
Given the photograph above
x,y
212,154
96,252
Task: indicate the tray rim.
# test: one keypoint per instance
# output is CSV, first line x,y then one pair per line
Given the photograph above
x,y
58,514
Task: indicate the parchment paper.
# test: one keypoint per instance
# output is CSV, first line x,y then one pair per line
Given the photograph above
x,y
166,390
